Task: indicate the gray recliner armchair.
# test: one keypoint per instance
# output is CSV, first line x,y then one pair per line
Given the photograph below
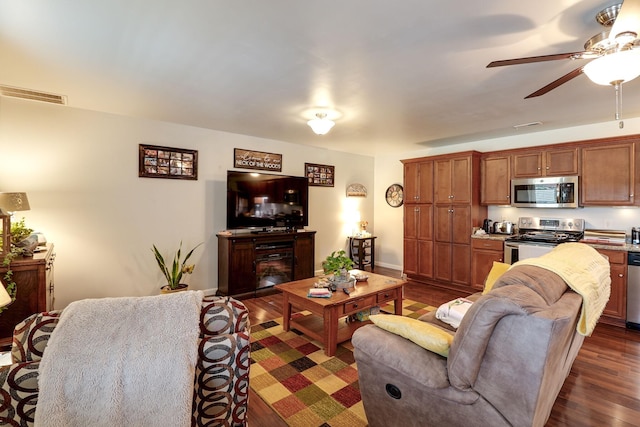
x,y
507,362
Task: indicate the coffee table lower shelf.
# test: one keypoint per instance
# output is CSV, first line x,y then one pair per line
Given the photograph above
x,y
313,326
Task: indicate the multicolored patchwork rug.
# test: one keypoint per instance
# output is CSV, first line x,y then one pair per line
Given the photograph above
x,y
307,388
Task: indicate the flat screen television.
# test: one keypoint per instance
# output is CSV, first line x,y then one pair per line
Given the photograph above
x,y
264,201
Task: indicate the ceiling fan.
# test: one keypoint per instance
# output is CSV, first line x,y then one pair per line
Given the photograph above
x,y
609,50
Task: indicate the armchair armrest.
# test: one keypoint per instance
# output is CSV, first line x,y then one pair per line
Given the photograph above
x,y
30,336
222,373
223,315
18,393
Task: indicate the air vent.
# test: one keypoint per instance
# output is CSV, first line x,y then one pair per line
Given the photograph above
x,y
16,92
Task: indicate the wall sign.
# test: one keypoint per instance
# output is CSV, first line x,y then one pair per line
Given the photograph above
x,y
247,159
320,175
155,161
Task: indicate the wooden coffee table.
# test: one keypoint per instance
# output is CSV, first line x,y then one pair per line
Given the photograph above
x,y
325,324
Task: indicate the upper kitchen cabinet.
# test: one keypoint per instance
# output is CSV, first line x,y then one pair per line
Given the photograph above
x,y
551,162
495,171
453,180
608,174
418,182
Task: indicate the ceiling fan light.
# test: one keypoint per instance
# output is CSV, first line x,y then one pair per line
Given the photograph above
x,y
618,67
321,125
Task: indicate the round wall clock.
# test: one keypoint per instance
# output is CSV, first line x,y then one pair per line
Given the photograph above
x,y
395,195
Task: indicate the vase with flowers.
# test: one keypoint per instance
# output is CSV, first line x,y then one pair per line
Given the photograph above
x,y
173,273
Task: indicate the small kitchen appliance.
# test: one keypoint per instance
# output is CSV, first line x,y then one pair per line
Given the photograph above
x,y
503,227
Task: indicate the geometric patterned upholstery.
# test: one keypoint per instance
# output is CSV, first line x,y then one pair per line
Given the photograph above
x,y
30,336
221,383
222,373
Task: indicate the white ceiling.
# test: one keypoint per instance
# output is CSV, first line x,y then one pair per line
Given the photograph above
x,y
403,75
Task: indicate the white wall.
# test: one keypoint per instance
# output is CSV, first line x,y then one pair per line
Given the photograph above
x,y
80,171
388,170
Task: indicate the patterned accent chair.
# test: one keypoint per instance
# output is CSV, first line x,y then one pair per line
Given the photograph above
x,y
221,383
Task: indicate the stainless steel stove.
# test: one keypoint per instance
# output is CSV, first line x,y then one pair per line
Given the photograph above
x,y
537,236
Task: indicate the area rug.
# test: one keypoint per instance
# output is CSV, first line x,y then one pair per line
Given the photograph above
x,y
291,373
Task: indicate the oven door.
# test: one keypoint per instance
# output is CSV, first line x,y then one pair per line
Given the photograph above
x,y
517,251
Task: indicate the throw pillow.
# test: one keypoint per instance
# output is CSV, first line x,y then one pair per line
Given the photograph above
x,y
423,334
498,269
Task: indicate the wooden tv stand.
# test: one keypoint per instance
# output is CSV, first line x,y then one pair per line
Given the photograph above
x,y
250,263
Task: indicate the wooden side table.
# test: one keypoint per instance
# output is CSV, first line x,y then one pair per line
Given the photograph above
x,y
362,250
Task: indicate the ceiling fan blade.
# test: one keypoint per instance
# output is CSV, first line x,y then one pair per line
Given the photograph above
x,y
628,19
542,58
554,84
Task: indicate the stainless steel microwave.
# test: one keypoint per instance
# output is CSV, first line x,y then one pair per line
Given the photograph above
x,y
545,192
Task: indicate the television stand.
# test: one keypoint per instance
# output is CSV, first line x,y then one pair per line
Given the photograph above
x,y
243,269
263,231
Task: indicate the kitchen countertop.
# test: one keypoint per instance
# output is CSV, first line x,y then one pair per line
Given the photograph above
x,y
627,247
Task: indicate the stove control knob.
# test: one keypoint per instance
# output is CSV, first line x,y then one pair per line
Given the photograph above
x,y
570,224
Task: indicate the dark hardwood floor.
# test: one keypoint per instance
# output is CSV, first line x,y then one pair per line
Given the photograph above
x,y
602,389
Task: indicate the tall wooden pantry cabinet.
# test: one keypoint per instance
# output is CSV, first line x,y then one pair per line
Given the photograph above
x,y
442,205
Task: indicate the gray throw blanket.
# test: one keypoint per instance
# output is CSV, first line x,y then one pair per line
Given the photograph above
x,y
121,362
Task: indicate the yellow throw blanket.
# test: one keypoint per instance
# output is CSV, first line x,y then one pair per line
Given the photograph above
x,y
586,272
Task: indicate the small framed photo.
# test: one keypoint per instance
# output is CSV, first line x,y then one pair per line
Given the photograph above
x,y
320,175
166,162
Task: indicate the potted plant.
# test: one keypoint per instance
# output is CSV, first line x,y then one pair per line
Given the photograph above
x,y
173,273
338,264
19,232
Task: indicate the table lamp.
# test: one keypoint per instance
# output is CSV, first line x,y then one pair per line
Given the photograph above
x,y
10,203
5,298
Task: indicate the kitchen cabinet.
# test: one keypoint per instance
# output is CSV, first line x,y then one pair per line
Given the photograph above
x,y
437,237
616,309
418,240
550,162
452,179
418,218
483,254
608,175
452,244
245,258
34,282
418,182
495,177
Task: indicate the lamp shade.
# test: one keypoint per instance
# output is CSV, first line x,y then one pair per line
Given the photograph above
x,y
321,124
614,68
12,202
5,298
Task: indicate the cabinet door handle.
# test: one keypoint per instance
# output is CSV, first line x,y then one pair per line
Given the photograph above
x,y
620,275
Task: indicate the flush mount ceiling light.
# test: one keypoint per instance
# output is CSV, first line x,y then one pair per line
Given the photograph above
x,y
321,124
